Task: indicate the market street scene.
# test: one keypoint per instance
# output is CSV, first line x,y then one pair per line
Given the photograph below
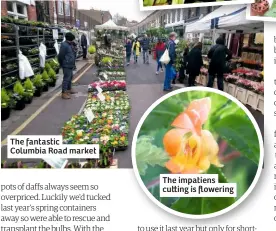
x,y
89,73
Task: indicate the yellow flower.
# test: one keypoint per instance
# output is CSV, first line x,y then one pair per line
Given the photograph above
x,y
123,138
79,133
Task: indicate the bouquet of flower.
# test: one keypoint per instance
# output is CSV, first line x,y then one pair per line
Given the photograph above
x,y
258,88
231,78
108,85
245,83
254,76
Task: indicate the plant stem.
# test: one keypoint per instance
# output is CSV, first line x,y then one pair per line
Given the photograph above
x,y
153,183
231,156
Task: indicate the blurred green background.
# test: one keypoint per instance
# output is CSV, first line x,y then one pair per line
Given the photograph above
x,y
228,123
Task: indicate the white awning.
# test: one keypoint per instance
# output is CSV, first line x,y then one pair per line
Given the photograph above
x,y
170,25
238,22
110,25
205,24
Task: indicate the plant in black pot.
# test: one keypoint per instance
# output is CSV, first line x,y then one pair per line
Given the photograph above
x,y
38,84
46,80
29,91
54,64
53,77
5,104
18,95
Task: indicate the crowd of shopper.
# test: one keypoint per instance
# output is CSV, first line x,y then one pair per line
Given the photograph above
x,y
191,62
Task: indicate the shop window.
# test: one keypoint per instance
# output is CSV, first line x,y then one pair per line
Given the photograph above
x,y
16,10
189,13
67,7
60,7
178,15
10,6
197,11
20,9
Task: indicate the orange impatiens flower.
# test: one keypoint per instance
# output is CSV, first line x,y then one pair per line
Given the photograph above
x,y
192,149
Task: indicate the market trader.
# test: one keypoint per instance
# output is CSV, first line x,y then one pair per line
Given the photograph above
x,y
66,59
84,45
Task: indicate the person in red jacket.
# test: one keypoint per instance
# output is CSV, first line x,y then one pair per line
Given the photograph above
x,y
159,51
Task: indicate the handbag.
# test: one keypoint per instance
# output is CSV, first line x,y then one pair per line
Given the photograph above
x,y
165,58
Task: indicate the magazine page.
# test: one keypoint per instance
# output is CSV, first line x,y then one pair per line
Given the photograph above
x,y
145,115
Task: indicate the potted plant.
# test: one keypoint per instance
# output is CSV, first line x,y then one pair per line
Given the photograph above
x,y
90,164
5,104
54,64
52,76
38,84
29,91
18,95
91,53
46,80
74,165
47,67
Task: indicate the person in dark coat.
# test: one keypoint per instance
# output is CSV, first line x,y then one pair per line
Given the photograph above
x,y
145,44
128,47
159,50
218,55
170,70
84,45
183,65
66,59
195,62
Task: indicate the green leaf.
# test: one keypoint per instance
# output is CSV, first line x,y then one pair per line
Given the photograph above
x,y
148,154
204,205
239,133
152,181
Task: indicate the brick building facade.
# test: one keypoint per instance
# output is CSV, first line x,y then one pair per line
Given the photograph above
x,y
54,12
24,9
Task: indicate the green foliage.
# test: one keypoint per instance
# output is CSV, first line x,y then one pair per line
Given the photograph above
x,y
148,154
45,77
204,205
106,60
156,32
92,49
53,63
227,121
180,47
240,134
47,67
18,89
52,74
5,99
29,88
37,81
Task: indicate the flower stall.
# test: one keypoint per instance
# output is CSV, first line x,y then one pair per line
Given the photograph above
x,y
20,45
245,77
104,119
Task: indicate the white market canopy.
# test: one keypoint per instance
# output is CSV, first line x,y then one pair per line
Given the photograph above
x,y
110,25
209,22
238,22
